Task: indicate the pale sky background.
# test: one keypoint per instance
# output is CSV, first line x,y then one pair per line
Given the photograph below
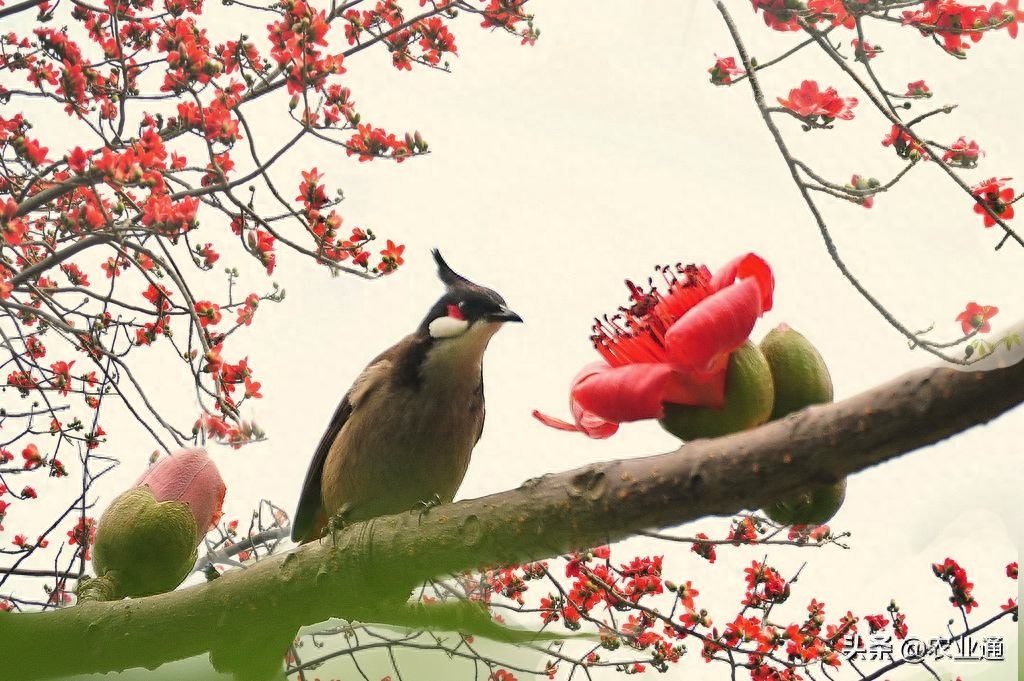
x,y
558,171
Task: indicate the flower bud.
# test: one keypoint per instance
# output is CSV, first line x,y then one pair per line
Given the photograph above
x,y
146,539
799,374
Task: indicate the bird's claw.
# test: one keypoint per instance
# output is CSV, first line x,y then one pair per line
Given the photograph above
x,y
335,523
425,506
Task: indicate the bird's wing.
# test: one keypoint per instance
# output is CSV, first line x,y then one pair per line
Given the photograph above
x,y
311,517
479,394
306,519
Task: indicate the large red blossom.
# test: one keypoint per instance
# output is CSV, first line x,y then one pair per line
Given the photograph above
x,y
668,347
808,101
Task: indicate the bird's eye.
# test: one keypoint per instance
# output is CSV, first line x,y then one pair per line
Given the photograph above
x,y
455,311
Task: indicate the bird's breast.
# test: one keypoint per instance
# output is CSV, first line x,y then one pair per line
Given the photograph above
x,y
404,444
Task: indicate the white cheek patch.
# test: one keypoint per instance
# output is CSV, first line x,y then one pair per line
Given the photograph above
x,y
447,327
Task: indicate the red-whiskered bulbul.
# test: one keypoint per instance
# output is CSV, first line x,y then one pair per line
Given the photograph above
x,y
404,432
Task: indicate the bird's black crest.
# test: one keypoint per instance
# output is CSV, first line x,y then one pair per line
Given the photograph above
x,y
450,277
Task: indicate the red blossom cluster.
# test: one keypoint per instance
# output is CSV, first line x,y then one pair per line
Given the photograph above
x,y
624,604
155,181
509,15
430,37
232,433
950,572
744,530
954,25
369,143
951,24
83,534
899,621
804,534
704,548
765,586
295,40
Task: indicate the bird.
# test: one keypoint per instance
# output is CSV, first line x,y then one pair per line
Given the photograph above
x,y
402,436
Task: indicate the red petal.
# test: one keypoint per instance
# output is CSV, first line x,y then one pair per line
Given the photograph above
x,y
697,389
590,425
603,396
716,326
627,393
744,267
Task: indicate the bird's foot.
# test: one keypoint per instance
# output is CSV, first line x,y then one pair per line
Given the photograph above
x,y
337,522
425,506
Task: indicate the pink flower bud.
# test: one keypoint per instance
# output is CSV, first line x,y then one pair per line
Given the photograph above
x,y
146,540
189,476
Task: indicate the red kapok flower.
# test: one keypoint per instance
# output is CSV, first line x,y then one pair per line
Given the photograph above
x,y
391,257
963,153
905,145
778,15
918,89
723,70
668,347
996,197
207,312
865,50
1009,13
807,101
975,318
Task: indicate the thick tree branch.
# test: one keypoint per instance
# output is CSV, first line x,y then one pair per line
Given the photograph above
x,y
247,617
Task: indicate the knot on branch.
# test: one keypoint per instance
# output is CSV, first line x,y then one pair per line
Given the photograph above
x,y
590,484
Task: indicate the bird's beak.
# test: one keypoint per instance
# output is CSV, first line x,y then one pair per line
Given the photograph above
x,y
504,314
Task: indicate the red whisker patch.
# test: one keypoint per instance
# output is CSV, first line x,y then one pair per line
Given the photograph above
x,y
454,312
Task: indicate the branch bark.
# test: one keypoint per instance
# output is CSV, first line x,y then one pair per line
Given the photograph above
x,y
245,619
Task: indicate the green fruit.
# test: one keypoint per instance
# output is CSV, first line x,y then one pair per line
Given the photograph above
x,y
799,373
800,379
748,400
144,546
813,507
